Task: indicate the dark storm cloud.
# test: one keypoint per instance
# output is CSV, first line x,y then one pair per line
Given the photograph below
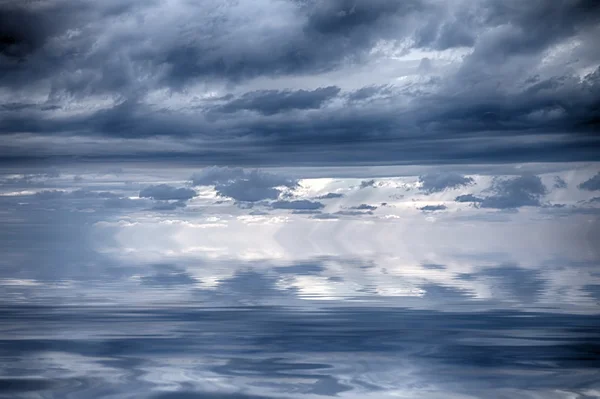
x,y
297,205
319,37
215,176
499,28
558,104
455,130
165,192
58,40
339,17
243,185
439,34
515,192
270,102
592,184
535,25
478,111
367,183
246,190
368,92
437,182
25,29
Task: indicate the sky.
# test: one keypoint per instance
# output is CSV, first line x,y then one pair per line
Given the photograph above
x,y
291,199
299,82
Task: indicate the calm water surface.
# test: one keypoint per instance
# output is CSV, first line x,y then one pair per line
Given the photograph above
x,y
105,296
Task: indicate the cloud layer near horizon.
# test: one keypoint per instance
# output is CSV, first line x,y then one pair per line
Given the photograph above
x,y
233,234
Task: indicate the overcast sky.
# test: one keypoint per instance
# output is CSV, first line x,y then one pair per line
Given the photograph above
x,y
306,82
246,199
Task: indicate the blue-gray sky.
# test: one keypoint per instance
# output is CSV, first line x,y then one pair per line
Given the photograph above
x,y
284,82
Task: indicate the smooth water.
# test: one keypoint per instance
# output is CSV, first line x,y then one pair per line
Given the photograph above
x,y
252,352
105,296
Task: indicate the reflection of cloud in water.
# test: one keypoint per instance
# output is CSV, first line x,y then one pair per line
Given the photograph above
x,y
224,299
274,352
435,262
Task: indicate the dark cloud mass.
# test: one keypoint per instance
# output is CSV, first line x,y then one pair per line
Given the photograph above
x,y
515,192
368,92
437,182
243,185
592,184
25,29
271,102
300,82
165,192
367,183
